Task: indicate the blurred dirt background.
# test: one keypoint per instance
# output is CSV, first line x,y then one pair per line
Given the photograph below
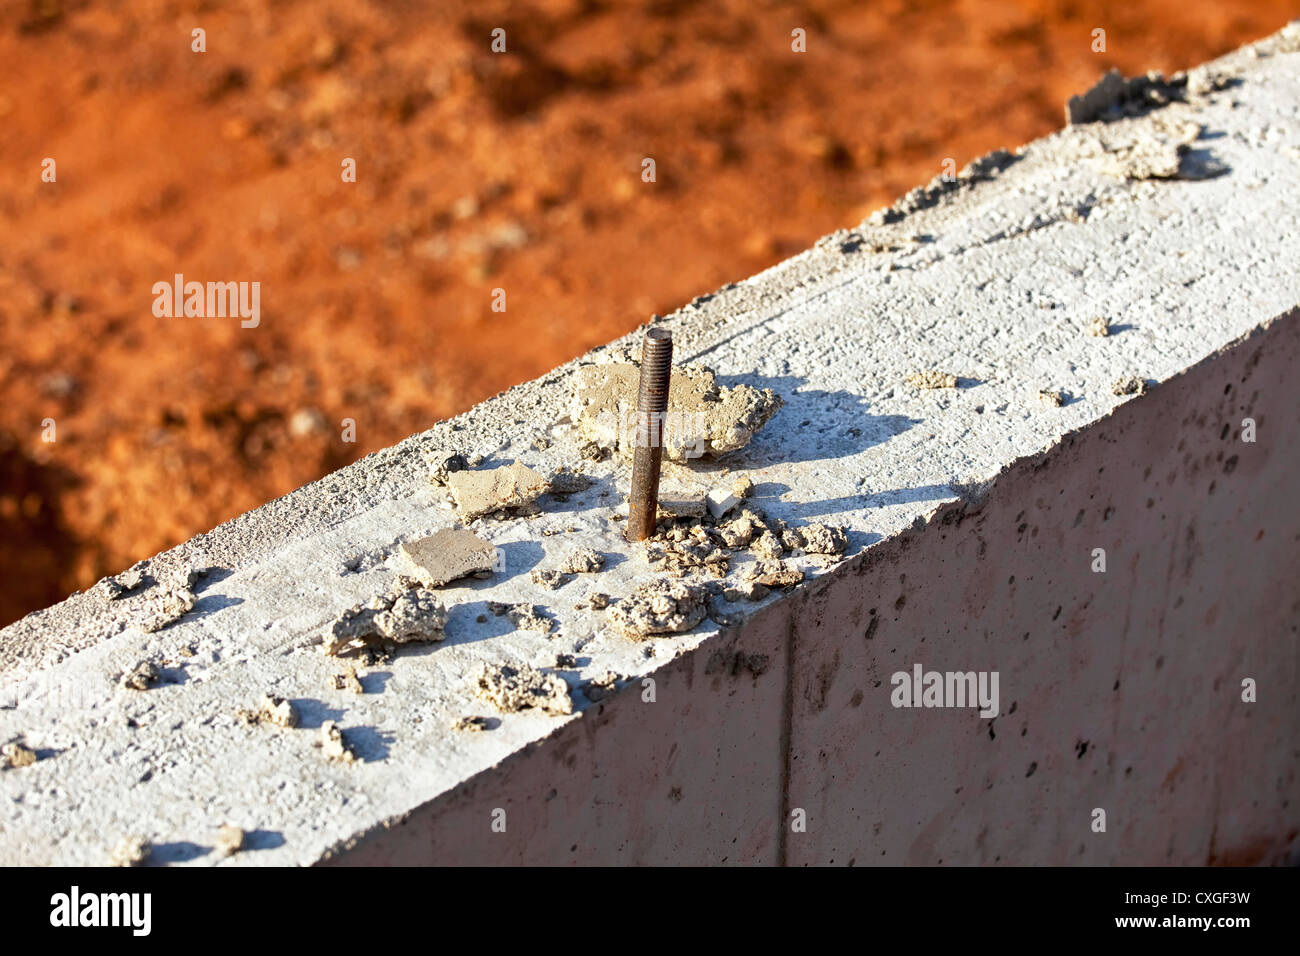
x,y
475,171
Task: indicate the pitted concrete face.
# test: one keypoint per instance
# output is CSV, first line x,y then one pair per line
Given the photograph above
x,y
703,418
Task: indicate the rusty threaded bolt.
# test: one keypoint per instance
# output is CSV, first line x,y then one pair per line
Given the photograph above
x,y
648,450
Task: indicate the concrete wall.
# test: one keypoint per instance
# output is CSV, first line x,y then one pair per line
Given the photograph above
x,y
1119,690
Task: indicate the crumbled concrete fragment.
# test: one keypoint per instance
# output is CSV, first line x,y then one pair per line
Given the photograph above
x,y
746,591
141,677
440,467
229,841
1051,398
274,711
333,745
663,606
16,754
403,615
774,574
679,558
932,379
742,487
164,607
524,617
738,532
565,660
445,556
565,482
768,545
601,686
477,493
702,417
599,601
348,681
583,561
721,501
591,451
824,539
689,507
1114,97
1099,327
516,687
474,723
792,539
131,851
119,586
550,579
1131,385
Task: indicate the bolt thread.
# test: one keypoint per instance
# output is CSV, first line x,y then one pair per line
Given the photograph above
x,y
647,454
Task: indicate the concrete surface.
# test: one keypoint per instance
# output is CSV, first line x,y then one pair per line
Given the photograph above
x,y
973,514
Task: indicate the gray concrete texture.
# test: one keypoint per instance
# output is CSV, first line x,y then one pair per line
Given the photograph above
x,y
766,734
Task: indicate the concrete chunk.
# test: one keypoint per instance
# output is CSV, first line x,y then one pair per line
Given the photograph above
x,y
477,493
446,556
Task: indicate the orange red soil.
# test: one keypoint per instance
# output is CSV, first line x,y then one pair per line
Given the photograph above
x,y
475,171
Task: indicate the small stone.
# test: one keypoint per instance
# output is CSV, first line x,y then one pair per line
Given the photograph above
x,y
165,607
141,677
229,841
774,574
446,556
524,617
16,754
720,501
739,532
661,607
742,488
1099,327
601,686
347,681
768,545
515,687
1051,398
824,539
599,601
932,379
550,579
131,851
583,561
333,745
403,615
1132,385
273,711
474,723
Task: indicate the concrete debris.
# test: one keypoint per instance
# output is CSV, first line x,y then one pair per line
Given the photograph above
x,y
131,851
347,681
677,507
1156,148
742,488
824,539
721,501
663,606
515,687
565,482
141,677
739,532
703,418
229,841
682,557
774,574
333,745
477,493
404,615
524,617
16,754
1051,398
767,545
792,539
1131,385
475,723
550,579
446,556
601,686
583,561
565,660
129,581
746,591
441,466
1099,327
165,607
931,378
596,601
273,711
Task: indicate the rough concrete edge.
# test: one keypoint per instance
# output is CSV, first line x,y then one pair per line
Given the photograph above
x,y
970,501
396,472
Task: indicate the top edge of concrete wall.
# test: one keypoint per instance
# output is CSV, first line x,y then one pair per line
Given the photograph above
x,y
1151,217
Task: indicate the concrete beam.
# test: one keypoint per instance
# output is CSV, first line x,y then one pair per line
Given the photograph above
x,y
973,518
